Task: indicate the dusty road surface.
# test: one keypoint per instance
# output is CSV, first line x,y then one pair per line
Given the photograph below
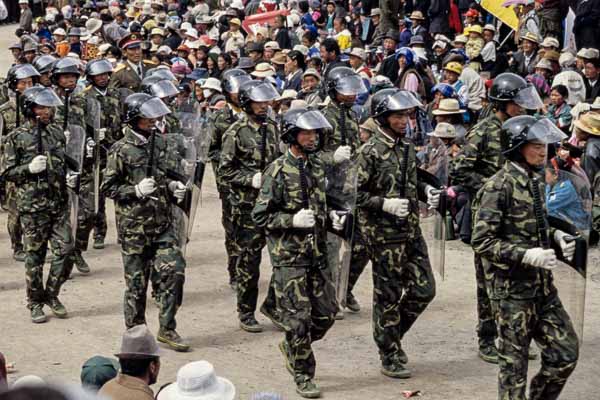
x,y
441,346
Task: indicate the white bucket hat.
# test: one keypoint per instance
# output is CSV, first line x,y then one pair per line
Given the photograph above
x,y
212,83
444,130
198,381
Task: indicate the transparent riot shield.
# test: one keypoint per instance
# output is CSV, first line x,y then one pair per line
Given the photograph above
x,y
341,184
433,221
569,208
74,159
182,166
201,139
94,110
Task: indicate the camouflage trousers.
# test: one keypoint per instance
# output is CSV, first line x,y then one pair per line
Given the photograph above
x,y
403,287
359,260
249,242
12,224
159,256
39,229
100,225
227,221
86,217
306,305
545,321
486,323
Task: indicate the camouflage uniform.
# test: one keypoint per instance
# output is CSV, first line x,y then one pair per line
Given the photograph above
x,y
240,160
480,158
402,276
8,193
220,122
110,119
42,204
304,289
147,238
524,299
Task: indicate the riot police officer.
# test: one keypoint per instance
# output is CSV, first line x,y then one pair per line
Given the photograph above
x,y
44,65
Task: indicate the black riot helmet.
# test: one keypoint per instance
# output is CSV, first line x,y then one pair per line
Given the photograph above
x,y
232,80
98,67
526,128
298,119
143,105
163,73
156,86
21,71
387,101
65,66
345,81
256,91
512,87
39,95
44,64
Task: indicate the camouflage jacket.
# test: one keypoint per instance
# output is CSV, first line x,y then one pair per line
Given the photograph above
x,y
8,113
279,199
481,156
333,139
505,227
77,111
126,167
46,191
220,121
379,174
110,114
241,159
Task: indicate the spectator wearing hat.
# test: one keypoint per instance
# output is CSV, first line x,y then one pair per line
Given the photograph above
x,y
417,28
198,381
528,20
26,18
263,71
157,36
255,52
233,38
436,153
542,77
449,111
16,50
357,60
417,44
474,46
311,79
488,52
587,133
129,73
592,82
452,72
139,359
570,78
459,42
270,49
523,62
378,29
294,68
98,370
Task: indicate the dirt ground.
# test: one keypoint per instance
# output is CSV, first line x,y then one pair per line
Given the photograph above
x,y
441,345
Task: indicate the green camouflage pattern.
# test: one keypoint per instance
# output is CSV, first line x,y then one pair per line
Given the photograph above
x,y
524,299
306,306
42,192
379,171
240,160
280,198
77,110
359,259
333,139
481,156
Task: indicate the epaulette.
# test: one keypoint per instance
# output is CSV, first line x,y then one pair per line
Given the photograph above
x,y
148,62
120,67
87,89
276,166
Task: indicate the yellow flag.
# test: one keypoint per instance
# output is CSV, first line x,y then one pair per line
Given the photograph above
x,y
504,14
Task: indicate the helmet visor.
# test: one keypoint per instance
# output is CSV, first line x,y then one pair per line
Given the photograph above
x,y
164,89
100,67
545,131
312,120
154,108
350,86
233,83
529,98
26,71
47,98
263,92
163,73
403,100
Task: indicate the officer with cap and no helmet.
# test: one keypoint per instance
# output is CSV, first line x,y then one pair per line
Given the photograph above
x,y
518,265
481,157
129,73
147,244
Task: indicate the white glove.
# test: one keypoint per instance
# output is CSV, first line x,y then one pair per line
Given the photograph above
x,y
90,146
101,134
337,221
178,189
343,153
68,136
38,164
304,219
146,187
433,197
72,179
568,248
540,257
257,180
397,207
